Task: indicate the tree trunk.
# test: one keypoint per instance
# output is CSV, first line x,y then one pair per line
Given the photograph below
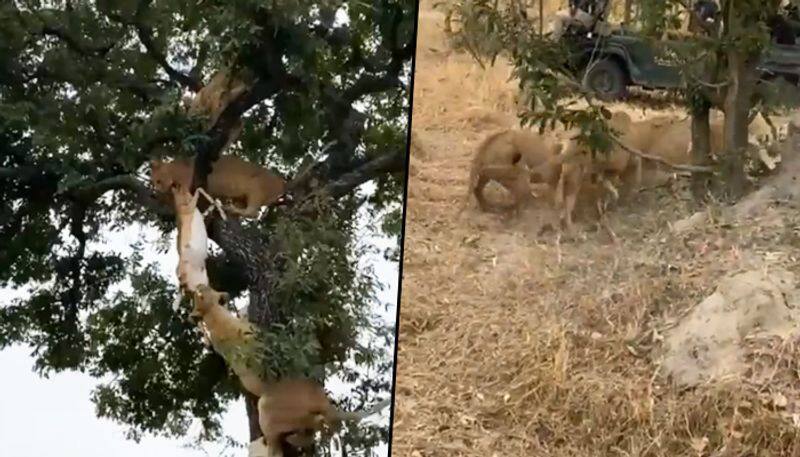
x,y
741,75
541,18
259,259
701,99
701,145
251,406
627,13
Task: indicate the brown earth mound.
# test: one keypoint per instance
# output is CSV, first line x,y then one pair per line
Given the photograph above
x,y
708,344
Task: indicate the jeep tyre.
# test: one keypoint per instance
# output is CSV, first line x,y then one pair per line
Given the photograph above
x,y
606,80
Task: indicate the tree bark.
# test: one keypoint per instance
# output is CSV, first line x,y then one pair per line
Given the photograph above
x,y
701,145
741,75
251,406
541,18
252,253
627,14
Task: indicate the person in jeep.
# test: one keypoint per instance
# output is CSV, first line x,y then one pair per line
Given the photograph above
x,y
783,26
583,14
703,17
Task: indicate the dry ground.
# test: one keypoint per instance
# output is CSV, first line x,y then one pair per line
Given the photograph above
x,y
513,344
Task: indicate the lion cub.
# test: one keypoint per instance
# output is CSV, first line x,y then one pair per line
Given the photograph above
x,y
230,177
231,337
297,407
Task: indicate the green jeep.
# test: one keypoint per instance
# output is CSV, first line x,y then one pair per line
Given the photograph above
x,y
609,64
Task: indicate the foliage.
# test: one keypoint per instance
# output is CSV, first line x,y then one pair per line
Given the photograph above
x,y
476,27
658,16
90,90
546,83
554,93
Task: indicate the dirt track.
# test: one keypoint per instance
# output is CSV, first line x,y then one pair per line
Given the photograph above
x,y
514,344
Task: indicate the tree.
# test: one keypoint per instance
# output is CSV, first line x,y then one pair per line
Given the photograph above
x,y
729,82
719,68
90,90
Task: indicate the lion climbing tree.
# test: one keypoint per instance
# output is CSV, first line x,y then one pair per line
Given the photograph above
x,y
92,91
717,61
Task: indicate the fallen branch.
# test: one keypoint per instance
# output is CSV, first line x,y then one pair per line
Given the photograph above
x,y
689,168
586,96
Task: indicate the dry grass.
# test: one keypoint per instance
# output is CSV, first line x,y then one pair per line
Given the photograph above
x,y
456,92
514,344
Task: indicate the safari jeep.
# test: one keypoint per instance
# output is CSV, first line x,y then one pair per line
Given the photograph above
x,y
608,65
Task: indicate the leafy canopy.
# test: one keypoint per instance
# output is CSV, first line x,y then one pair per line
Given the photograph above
x,y
551,90
90,90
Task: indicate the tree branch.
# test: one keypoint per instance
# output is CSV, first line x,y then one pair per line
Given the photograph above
x,y
98,188
208,151
90,191
74,294
95,190
346,124
145,35
371,84
392,162
75,45
146,92
23,173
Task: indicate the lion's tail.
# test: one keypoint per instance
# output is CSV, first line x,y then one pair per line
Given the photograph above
x,y
473,178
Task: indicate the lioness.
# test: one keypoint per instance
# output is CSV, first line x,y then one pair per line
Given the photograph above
x,y
578,164
515,158
231,177
294,407
511,157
